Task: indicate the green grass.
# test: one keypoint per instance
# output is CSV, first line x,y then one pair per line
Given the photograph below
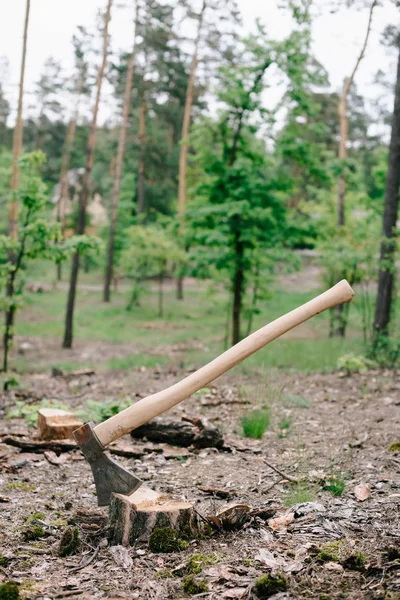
x,y
298,493
335,484
197,324
255,422
298,401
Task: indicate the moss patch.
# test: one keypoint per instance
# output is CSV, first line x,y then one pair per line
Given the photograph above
x,y
355,561
32,532
34,516
166,539
9,590
69,541
164,574
268,585
192,586
395,447
19,486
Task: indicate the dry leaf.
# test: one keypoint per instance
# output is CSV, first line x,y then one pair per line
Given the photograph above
x,y
282,521
362,491
53,459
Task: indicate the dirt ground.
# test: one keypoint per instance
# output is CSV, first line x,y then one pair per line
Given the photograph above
x,y
322,426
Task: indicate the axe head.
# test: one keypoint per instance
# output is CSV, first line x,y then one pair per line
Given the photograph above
x,y
108,475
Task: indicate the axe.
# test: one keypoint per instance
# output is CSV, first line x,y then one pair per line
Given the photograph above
x,y
109,476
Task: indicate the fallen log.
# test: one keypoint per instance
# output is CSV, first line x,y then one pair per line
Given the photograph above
x,y
197,432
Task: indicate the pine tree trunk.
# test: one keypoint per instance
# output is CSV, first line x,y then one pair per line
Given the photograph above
x,y
65,162
339,328
142,139
18,134
119,168
184,138
386,277
238,286
80,229
344,122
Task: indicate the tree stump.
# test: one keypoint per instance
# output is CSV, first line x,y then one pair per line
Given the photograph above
x,y
135,517
56,424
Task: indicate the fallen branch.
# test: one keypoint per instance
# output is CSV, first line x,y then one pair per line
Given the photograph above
x,y
86,563
281,473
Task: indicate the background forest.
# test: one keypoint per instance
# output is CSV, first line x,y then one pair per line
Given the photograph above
x,y
226,168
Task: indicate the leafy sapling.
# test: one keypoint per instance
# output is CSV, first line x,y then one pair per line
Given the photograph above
x,y
36,238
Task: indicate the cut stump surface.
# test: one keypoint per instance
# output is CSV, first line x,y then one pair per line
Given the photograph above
x,y
56,424
136,516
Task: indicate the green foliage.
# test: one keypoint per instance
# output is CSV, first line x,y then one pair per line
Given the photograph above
x,y
384,351
166,539
335,484
37,238
29,412
255,422
9,590
99,411
298,493
268,585
353,364
150,251
193,586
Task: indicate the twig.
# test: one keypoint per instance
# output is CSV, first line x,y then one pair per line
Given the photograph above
x,y
268,489
281,473
86,563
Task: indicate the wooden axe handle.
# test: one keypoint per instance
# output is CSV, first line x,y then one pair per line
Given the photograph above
x,y
147,408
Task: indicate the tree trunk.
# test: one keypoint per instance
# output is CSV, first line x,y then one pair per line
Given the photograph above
x,y
344,122
388,245
119,168
184,138
238,286
142,139
18,134
160,296
339,328
80,228
65,162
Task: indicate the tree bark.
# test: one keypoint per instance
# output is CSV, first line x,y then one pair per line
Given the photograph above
x,y
185,133
142,140
18,134
388,245
339,329
344,121
119,167
80,228
238,287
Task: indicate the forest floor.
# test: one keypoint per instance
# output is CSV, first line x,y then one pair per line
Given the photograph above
x,y
326,429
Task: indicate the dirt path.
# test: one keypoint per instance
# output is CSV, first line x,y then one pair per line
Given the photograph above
x,y
338,426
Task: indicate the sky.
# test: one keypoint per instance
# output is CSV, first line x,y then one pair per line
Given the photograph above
x,y
337,37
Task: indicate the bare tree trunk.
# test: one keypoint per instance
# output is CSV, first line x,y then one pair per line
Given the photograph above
x,y
344,121
142,139
65,163
18,134
238,289
80,228
388,245
340,326
119,166
185,132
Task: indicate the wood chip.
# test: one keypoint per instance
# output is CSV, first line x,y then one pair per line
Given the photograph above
x,y
282,521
